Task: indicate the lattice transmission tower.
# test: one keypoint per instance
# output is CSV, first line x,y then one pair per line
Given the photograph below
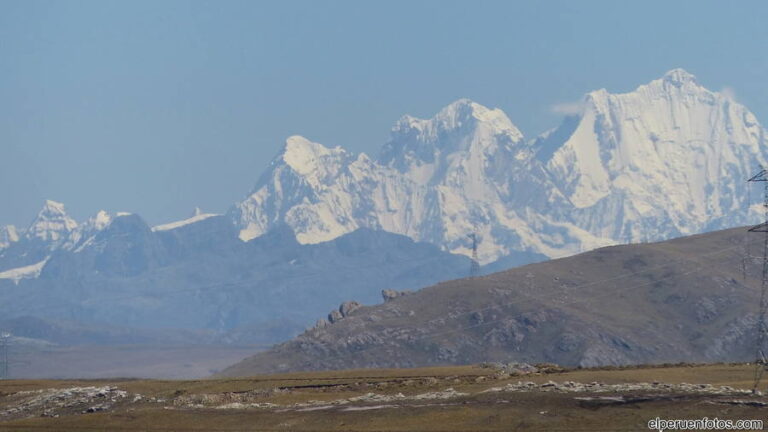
x,y
761,342
474,267
5,370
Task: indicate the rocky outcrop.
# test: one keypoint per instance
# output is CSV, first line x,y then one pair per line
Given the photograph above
x,y
348,307
390,294
321,323
337,315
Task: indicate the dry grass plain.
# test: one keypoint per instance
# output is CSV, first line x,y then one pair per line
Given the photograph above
x,y
392,400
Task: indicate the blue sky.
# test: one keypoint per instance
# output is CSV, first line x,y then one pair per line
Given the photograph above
x,y
159,106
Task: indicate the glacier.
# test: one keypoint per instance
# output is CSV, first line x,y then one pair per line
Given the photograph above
x,y
667,159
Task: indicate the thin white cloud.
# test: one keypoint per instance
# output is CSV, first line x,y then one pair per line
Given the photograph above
x,y
729,92
567,108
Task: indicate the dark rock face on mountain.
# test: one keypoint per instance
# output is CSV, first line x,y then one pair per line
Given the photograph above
x,y
390,294
680,300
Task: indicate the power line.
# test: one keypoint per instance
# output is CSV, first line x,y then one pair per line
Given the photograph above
x,y
5,372
474,266
762,329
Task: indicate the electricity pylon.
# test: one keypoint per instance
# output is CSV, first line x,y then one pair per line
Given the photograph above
x,y
474,268
4,366
762,330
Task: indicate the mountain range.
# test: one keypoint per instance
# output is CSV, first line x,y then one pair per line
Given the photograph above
x,y
200,276
668,159
665,160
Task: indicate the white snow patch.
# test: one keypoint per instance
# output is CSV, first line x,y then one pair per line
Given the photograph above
x,y
84,244
13,235
27,272
173,225
101,220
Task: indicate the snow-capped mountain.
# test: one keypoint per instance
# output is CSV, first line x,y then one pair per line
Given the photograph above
x,y
465,170
477,174
22,255
52,225
667,159
320,192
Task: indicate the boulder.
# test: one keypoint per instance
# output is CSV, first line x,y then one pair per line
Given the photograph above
x,y
321,323
335,316
348,307
390,294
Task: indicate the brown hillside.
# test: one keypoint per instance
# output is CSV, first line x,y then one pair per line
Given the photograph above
x,y
679,300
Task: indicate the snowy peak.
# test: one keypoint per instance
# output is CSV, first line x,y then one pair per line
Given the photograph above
x,y
300,181
668,97
460,114
674,83
99,221
461,117
670,138
54,206
309,158
424,149
52,224
679,77
464,111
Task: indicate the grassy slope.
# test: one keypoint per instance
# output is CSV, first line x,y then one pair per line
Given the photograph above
x,y
680,300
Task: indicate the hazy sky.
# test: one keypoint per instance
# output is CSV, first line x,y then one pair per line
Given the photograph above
x,y
159,106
